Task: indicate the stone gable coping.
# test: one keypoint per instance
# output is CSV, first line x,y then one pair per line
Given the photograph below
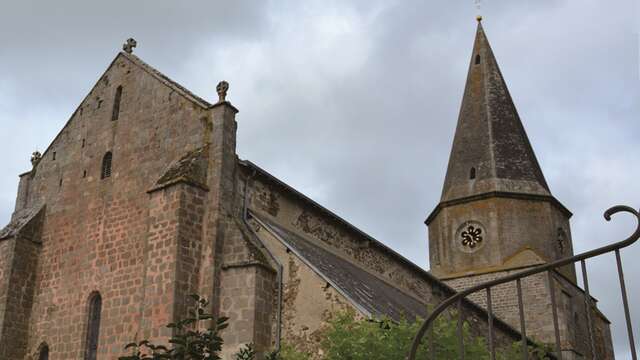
x,y
20,221
148,69
191,169
166,80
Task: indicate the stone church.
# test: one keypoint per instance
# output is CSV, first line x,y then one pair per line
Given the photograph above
x,y
141,199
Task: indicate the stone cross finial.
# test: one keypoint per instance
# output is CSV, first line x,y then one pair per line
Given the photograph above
x,y
129,45
222,89
35,157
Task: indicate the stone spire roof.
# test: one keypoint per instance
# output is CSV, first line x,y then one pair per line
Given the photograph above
x,y
491,151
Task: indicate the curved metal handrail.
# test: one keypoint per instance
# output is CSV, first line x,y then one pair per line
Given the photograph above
x,y
536,270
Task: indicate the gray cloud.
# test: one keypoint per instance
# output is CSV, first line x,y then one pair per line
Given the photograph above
x,y
355,102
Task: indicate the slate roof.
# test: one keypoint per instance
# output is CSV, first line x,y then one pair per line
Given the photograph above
x,y
371,294
490,136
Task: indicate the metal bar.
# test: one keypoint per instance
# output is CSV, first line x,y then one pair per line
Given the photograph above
x,y
492,348
431,352
554,310
460,330
587,306
523,327
625,302
459,296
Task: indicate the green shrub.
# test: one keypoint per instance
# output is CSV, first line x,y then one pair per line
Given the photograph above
x,y
346,338
350,339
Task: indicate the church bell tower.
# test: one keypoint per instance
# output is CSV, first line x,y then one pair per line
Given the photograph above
x,y
496,212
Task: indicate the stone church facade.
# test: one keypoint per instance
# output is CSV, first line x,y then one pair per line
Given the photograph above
x,y
141,200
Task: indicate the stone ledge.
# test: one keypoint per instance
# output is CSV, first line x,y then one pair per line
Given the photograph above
x,y
497,194
244,264
180,180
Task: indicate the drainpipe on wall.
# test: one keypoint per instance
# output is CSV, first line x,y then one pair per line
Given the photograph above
x,y
279,267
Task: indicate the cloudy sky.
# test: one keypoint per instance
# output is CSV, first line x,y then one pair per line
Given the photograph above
x,y
355,102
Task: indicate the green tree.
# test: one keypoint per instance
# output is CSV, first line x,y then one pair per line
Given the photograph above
x,y
351,339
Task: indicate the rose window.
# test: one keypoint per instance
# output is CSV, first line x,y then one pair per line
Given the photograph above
x,y
472,236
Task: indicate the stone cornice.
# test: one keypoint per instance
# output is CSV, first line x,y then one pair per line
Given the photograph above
x,y
180,180
244,264
497,194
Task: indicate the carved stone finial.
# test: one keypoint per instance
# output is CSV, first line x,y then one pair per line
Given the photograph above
x,y
222,89
129,45
35,158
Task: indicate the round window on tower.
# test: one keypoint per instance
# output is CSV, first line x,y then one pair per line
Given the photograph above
x,y
471,236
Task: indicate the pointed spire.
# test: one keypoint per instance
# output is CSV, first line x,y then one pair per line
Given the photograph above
x,y
491,151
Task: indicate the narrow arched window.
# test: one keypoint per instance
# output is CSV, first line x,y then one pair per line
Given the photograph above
x,y
472,173
116,104
478,59
106,165
43,352
93,327
562,240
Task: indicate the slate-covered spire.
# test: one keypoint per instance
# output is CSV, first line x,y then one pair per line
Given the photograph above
x,y
491,151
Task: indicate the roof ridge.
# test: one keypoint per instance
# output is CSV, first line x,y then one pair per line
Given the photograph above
x,y
344,222
166,80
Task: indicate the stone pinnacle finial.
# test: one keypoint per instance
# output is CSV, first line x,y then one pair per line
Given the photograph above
x,y
222,89
129,45
35,158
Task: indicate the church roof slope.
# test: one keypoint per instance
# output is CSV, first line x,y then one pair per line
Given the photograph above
x,y
491,151
368,292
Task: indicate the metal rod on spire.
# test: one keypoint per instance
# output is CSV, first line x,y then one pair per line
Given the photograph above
x,y
478,10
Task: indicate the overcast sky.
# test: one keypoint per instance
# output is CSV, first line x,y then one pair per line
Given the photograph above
x,y
355,103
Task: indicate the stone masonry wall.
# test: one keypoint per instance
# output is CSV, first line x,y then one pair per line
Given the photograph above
x,y
95,233
511,227
247,299
18,264
308,300
172,261
572,320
